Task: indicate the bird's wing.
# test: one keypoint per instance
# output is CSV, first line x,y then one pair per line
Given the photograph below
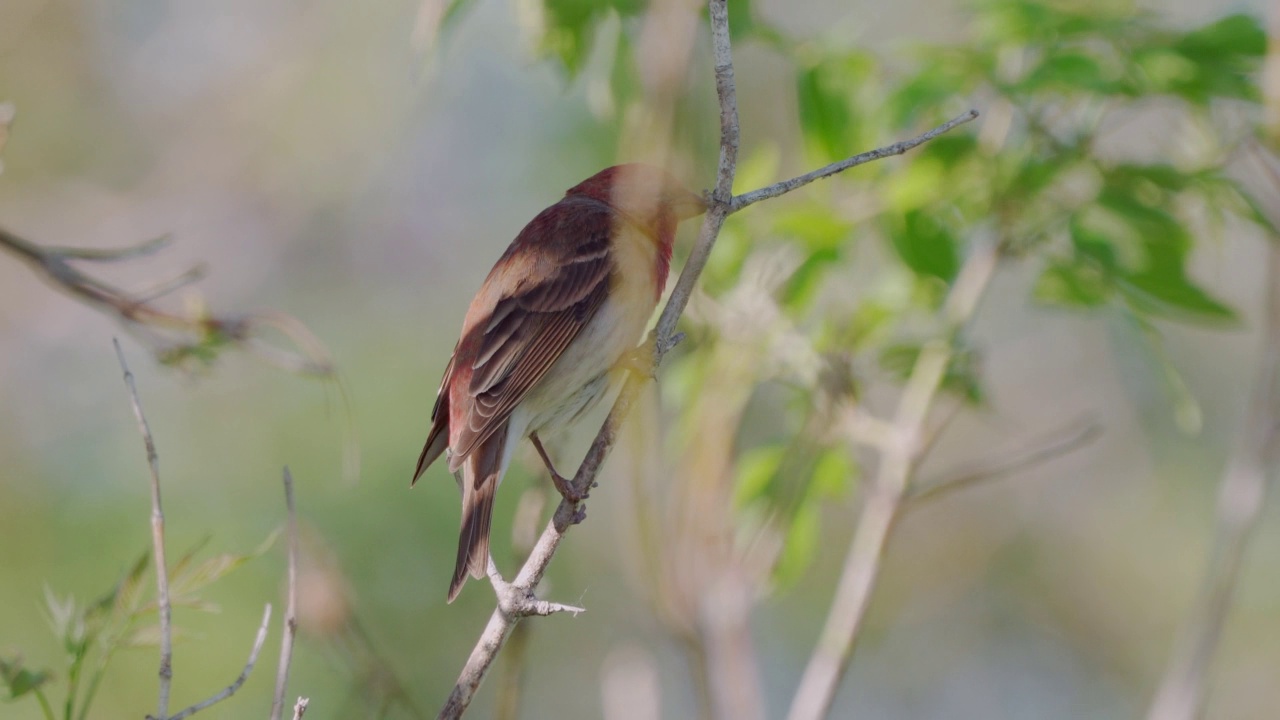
x,y
550,283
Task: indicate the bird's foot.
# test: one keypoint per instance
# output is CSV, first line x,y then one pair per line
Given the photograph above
x,y
566,489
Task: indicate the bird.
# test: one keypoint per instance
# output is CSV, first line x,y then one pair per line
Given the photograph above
x,y
547,334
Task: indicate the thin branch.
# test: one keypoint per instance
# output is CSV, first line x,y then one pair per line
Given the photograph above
x,y
516,599
1069,439
176,337
300,707
231,689
786,186
291,606
157,540
1240,498
883,506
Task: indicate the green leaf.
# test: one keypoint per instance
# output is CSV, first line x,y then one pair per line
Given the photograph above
x,y
571,26
805,282
944,78
1231,39
1069,71
825,93
1038,22
925,244
754,473
19,680
799,545
1072,285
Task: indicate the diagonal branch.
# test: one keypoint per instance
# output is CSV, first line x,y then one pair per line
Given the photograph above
x,y
177,336
885,497
721,204
1066,440
231,689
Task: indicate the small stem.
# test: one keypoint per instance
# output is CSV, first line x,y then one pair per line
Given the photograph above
x,y
291,605
157,541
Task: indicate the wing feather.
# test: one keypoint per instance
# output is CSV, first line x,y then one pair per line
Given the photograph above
x,y
547,286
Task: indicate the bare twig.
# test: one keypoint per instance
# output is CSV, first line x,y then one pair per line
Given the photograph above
x,y
516,599
177,336
1070,438
1240,497
291,606
231,689
300,707
884,502
786,186
157,541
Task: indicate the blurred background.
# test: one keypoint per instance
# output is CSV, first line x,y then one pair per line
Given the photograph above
x,y
359,166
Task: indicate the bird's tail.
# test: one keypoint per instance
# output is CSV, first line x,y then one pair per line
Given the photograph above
x,y
481,472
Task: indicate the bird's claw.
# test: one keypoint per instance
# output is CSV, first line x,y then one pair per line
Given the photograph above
x,y
579,514
565,487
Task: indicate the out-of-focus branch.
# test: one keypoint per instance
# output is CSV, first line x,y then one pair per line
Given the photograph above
x,y
164,609
516,599
231,689
164,606
291,607
899,456
1068,439
1244,485
175,337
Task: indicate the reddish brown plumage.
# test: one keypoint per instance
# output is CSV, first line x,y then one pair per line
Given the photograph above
x,y
568,297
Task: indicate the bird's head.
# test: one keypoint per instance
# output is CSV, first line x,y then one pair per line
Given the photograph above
x,y
646,194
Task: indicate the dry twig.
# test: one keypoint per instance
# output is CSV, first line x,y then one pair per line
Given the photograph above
x,y
175,337
231,689
164,609
162,583
516,599
291,606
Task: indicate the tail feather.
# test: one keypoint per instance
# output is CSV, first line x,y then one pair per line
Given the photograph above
x,y
481,473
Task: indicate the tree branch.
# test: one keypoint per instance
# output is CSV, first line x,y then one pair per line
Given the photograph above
x,y
1069,439
231,689
177,337
1240,496
164,609
883,506
786,186
516,599
291,606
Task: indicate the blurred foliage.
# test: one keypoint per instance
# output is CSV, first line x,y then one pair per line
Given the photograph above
x,y
1110,230
91,634
1053,176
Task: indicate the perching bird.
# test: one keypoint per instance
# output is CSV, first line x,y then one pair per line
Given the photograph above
x,y
562,307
